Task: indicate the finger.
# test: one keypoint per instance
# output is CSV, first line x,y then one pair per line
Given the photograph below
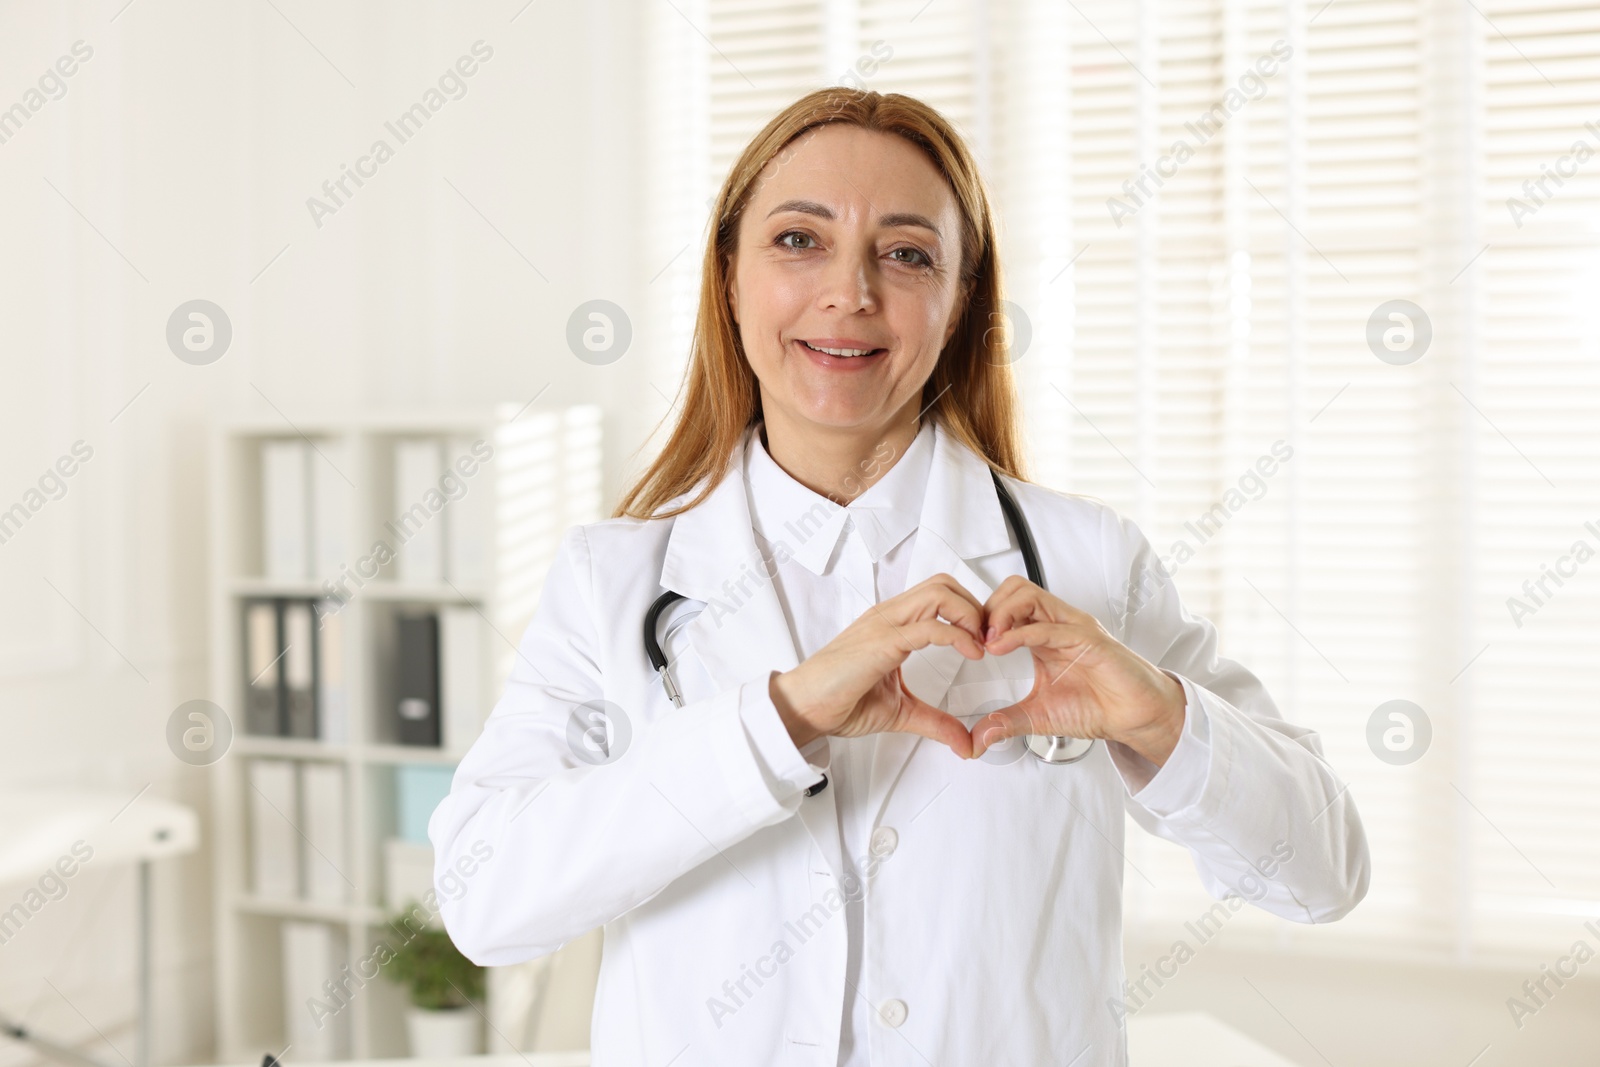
x,y
1060,636
948,581
920,633
955,603
1018,720
952,600
1009,585
919,717
1016,601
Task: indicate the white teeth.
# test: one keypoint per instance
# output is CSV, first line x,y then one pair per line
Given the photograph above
x,y
847,352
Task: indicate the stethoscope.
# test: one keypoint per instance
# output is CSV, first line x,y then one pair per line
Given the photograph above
x,y
1056,749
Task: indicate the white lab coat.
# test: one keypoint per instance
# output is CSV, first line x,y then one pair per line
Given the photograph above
x,y
994,916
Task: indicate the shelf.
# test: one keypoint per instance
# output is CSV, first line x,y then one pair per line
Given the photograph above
x,y
402,754
290,748
300,748
310,909
270,587
333,422
543,476
444,593
376,589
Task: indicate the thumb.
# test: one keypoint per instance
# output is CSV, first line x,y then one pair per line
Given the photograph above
x,y
917,716
1014,721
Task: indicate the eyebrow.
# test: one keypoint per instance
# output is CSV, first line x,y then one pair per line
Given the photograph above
x,y
898,218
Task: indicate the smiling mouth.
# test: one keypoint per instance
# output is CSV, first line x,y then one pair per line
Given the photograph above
x,y
844,353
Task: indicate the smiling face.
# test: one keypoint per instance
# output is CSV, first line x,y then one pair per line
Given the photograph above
x,y
851,244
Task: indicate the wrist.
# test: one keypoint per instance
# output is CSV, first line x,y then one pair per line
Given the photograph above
x,y
780,689
1157,739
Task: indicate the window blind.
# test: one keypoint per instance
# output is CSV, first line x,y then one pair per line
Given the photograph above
x,y
1533,746
1203,203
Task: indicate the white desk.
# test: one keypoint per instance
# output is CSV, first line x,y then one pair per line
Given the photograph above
x,y
1182,1039
1194,1039
38,828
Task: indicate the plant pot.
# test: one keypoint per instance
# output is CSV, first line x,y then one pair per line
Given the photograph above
x,y
444,1033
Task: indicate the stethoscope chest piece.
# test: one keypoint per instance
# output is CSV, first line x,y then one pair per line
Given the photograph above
x,y
1055,749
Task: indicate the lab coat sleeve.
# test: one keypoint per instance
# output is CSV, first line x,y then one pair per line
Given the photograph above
x,y
544,837
784,767
1247,793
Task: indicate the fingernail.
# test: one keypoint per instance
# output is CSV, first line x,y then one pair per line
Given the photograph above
x,y
988,635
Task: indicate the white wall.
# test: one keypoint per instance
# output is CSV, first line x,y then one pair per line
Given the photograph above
x,y
190,141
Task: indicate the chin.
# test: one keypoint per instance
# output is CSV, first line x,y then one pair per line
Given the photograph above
x,y
836,413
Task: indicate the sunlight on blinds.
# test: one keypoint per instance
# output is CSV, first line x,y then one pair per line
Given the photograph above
x,y
1229,227
1535,857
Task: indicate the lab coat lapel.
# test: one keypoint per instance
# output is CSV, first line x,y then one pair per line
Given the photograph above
x,y
743,633
712,557
961,520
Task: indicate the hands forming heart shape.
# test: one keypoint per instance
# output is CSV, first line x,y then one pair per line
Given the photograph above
x,y
1086,682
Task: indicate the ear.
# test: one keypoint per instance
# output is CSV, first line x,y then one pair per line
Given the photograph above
x,y
732,293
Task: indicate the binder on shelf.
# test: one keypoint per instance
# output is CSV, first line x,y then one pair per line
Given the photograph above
x,y
331,509
469,519
283,664
285,510
417,679
333,698
299,669
313,953
325,857
461,676
263,707
418,467
274,841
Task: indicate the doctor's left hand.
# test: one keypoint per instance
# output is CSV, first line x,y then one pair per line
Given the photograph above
x,y
1086,682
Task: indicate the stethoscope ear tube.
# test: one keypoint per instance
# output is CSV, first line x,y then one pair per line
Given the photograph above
x,y
652,615
652,647
1019,526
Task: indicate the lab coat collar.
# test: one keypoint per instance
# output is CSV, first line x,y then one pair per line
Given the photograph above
x,y
712,557
810,524
713,545
806,524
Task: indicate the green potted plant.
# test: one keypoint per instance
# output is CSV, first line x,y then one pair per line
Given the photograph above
x,y
442,985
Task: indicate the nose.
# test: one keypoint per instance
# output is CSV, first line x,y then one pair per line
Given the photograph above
x,y
849,280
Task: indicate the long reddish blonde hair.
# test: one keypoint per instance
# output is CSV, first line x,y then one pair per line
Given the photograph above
x,y
971,392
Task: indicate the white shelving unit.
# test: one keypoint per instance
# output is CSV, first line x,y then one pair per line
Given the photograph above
x,y
543,477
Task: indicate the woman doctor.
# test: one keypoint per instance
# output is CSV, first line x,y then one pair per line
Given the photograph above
x,y
838,851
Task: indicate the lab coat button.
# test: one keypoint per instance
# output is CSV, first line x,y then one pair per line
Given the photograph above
x,y
892,1012
884,841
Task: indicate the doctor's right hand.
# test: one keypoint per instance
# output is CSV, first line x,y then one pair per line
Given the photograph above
x,y
851,686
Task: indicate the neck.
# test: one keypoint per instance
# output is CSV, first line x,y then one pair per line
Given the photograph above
x,y
839,464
